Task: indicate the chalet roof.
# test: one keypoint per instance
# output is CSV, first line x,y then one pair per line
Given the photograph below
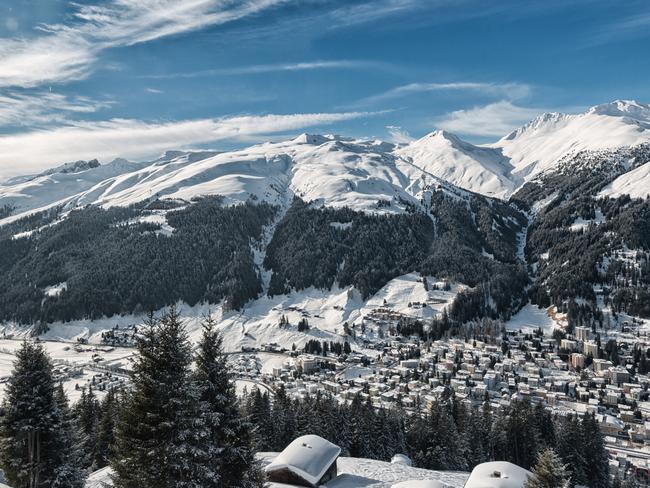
x,y
308,457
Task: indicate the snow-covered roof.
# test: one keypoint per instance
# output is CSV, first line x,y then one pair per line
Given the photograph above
x,y
497,474
309,457
419,484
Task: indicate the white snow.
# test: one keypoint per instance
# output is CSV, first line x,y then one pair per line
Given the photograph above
x,y
337,171
540,144
357,472
497,474
531,318
100,479
480,169
580,224
352,473
635,183
40,192
55,290
308,456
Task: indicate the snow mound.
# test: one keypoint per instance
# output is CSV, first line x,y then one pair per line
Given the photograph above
x,y
419,484
497,474
309,457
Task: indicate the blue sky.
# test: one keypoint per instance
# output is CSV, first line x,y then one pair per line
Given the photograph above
x,y
135,77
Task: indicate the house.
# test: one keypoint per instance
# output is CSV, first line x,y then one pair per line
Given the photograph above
x,y
308,461
497,474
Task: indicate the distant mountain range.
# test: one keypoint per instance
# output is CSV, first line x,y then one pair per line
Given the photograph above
x,y
338,171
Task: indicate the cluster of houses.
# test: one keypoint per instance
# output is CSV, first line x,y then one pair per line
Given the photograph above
x,y
566,375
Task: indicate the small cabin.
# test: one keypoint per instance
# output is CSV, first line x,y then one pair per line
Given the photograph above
x,y
308,461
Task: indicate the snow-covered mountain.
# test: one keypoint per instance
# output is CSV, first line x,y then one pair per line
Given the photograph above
x,y
539,145
329,170
481,169
337,171
58,185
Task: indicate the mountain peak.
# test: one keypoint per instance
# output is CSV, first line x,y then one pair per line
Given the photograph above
x,y
623,108
316,139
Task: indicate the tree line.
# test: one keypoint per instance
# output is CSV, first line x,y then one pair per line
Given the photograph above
x,y
450,435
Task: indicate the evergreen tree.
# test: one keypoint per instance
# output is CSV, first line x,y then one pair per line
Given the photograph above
x,y
35,451
157,434
86,413
548,472
108,413
596,457
71,473
229,456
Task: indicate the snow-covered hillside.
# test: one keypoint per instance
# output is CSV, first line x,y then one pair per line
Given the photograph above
x,y
58,185
258,323
635,183
323,169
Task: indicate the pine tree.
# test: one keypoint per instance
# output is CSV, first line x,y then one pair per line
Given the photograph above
x,y
34,452
229,456
548,472
71,472
596,457
157,434
108,413
86,413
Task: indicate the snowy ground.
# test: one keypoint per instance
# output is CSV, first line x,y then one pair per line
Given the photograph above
x,y
531,318
356,473
78,367
353,473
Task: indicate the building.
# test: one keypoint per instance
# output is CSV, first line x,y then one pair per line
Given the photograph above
x,y
582,334
568,345
619,375
577,360
590,348
308,461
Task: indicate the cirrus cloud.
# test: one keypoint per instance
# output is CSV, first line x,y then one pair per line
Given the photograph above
x,y
492,120
65,52
136,139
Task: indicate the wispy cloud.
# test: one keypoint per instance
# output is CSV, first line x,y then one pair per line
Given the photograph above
x,y
493,120
399,135
627,28
378,9
511,91
44,108
137,139
68,51
271,68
